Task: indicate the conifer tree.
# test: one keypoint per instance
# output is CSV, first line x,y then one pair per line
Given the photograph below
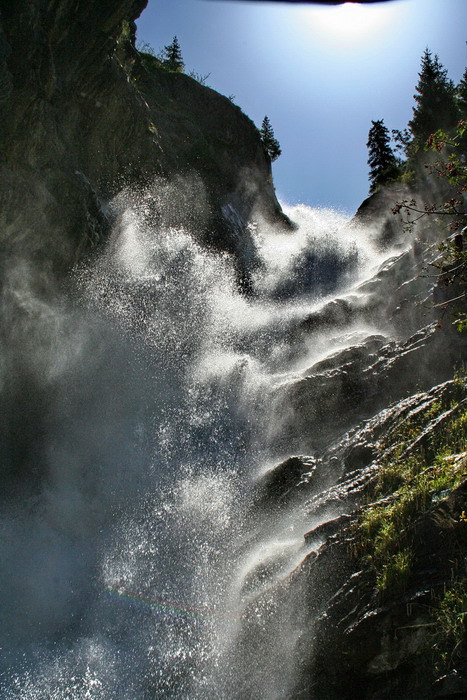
x,y
381,159
461,97
172,56
435,100
270,143
461,94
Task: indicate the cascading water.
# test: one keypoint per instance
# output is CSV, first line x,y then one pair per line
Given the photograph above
x,y
142,564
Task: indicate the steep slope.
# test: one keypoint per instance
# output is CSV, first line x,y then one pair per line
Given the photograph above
x,y
381,431
81,117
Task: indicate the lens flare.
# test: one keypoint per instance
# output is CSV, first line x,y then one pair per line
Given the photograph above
x,y
350,22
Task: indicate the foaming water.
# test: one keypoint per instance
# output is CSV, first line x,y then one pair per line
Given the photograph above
x,y
326,253
149,571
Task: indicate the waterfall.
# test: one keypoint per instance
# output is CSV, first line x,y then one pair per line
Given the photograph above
x,y
146,561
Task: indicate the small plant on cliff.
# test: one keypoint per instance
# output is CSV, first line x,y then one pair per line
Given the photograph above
x,y
172,57
381,159
144,47
201,79
395,572
450,626
270,143
452,168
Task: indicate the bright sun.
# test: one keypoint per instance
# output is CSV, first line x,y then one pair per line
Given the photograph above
x,y
349,22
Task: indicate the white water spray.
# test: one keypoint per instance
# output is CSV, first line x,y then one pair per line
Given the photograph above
x,y
147,570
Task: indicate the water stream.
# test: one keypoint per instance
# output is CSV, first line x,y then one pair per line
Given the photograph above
x,y
138,565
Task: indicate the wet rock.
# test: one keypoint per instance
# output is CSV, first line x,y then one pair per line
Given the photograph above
x,y
361,455
452,685
285,481
378,207
360,383
327,529
357,642
335,314
379,646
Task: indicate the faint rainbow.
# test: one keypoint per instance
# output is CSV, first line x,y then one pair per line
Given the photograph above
x,y
167,606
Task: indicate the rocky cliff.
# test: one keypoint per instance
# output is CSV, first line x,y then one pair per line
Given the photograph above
x,y
383,584
83,117
373,435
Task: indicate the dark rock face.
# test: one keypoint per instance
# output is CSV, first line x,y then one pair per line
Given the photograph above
x,y
377,208
81,117
56,67
378,648
363,384
452,685
284,481
355,383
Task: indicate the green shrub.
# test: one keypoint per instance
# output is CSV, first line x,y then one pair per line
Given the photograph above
x,y
395,572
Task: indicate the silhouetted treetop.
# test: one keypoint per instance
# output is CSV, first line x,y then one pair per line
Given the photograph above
x,y
381,159
270,143
435,100
172,56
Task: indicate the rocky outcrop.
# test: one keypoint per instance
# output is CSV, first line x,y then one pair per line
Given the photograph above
x,y
352,384
381,647
357,640
377,209
352,413
82,117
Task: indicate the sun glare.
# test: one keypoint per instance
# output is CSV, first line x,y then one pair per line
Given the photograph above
x,y
348,22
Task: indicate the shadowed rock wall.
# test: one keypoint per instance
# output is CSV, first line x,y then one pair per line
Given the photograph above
x,y
81,117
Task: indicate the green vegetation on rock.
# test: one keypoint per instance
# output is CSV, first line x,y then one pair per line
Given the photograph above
x,y
422,459
450,622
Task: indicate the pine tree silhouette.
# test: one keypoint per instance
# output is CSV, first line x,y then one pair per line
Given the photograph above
x,y
435,100
172,56
270,143
461,94
381,159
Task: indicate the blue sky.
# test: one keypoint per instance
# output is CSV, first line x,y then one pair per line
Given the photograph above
x,y
321,74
